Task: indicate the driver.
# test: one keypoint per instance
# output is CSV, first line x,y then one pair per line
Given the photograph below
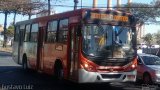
x,y
102,40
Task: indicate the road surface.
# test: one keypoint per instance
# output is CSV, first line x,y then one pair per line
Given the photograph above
x,y
13,77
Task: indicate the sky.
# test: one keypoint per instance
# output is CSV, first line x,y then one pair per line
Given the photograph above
x,y
101,3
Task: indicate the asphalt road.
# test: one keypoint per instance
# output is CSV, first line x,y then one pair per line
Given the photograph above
x,y
13,77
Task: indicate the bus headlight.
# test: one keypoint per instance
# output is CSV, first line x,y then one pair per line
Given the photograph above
x,y
133,66
88,66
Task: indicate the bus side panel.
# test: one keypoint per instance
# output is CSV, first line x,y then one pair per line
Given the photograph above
x,y
20,54
15,51
30,48
48,58
52,52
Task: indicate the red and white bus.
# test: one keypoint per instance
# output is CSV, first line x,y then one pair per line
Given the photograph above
x,y
84,46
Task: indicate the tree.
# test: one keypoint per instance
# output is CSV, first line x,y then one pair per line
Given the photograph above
x,y
157,37
17,6
9,32
148,38
144,12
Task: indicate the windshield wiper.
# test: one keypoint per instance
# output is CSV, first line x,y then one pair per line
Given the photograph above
x,y
100,27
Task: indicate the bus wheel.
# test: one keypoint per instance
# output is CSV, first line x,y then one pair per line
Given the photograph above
x,y
58,72
147,79
24,65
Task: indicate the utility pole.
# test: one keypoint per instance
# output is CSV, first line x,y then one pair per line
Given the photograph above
x,y
14,18
49,7
109,4
118,4
5,29
94,3
81,3
75,4
129,5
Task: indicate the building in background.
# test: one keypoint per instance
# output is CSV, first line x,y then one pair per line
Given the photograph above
x,y
140,33
145,29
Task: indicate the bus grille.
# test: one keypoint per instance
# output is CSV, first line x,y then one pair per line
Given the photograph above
x,y
111,75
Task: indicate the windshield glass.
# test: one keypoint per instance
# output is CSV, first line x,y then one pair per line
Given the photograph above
x,y
151,60
107,41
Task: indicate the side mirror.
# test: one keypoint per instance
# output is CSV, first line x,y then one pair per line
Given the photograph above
x,y
139,63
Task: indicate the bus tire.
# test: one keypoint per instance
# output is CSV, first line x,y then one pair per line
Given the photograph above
x,y
24,64
58,71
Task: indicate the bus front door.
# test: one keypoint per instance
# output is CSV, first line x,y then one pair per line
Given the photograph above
x,y
40,48
73,54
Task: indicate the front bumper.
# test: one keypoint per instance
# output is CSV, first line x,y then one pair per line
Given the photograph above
x,y
93,77
156,79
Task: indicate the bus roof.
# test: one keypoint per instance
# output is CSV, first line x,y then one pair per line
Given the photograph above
x,y
64,15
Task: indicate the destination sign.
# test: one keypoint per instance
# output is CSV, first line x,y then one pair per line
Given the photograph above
x,y
109,17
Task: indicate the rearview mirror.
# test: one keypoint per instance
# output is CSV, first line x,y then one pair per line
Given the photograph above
x,y
139,63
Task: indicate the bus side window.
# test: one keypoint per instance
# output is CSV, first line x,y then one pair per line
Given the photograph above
x,y
16,35
63,31
51,32
34,33
27,33
21,34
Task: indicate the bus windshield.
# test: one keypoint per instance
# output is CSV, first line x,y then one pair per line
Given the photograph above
x,y
107,41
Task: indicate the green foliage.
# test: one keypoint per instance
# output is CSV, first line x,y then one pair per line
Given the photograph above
x,y
145,12
21,6
156,4
9,32
148,38
157,37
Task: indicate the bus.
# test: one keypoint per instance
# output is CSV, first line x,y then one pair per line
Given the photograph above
x,y
84,45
